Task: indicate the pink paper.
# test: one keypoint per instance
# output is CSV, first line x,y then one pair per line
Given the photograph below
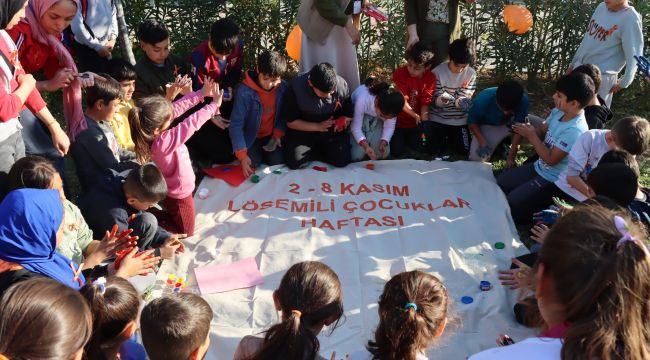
x,y
225,277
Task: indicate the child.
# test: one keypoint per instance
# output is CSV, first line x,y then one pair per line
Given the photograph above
x,y
220,58
596,113
18,89
256,129
614,36
123,199
416,82
529,188
157,68
616,181
56,318
376,106
156,141
455,85
114,304
96,149
593,277
176,327
313,102
309,297
125,74
412,313
491,116
95,32
631,134
30,227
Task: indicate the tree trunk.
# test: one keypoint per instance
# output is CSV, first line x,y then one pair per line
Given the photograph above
x,y
123,38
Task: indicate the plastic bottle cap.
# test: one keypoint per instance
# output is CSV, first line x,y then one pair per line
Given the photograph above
x,y
277,172
499,245
171,277
255,178
485,286
467,300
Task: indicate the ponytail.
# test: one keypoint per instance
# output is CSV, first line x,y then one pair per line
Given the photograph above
x,y
149,114
412,312
114,303
309,296
389,101
600,267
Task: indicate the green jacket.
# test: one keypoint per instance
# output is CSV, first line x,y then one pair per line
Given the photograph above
x,y
152,79
416,12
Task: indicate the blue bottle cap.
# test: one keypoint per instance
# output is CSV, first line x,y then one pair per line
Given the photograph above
x,y
467,300
485,286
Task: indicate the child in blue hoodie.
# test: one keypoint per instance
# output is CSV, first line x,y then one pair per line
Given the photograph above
x,y
256,129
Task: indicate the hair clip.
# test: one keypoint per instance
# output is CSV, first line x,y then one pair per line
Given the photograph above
x,y
411,306
101,282
297,313
623,229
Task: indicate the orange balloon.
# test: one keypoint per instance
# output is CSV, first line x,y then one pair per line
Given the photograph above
x,y
293,43
518,18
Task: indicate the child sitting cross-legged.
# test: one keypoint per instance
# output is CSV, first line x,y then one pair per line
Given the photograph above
x,y
95,149
176,327
530,188
256,128
416,82
455,85
412,314
156,141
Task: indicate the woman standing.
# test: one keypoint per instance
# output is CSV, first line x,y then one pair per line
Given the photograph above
x,y
329,35
435,23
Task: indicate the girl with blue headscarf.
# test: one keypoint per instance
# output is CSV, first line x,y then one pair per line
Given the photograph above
x,y
30,220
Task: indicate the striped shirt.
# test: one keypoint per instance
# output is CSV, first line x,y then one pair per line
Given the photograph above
x,y
457,85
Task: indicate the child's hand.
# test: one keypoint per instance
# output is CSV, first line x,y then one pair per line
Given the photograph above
x,y
383,148
516,278
105,51
172,246
247,166
185,85
132,265
369,151
484,151
221,123
538,233
547,216
26,80
110,44
114,242
526,130
323,126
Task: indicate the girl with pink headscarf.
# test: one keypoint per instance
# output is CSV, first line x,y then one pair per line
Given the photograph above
x,y
40,47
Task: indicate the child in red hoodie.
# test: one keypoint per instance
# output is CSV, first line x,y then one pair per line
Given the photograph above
x,y
417,83
256,129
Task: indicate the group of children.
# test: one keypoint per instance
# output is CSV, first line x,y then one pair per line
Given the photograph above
x,y
591,293
145,125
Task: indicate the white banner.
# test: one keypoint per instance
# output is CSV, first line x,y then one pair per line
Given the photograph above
x,y
368,225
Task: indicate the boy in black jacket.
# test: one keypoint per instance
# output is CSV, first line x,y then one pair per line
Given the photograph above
x,y
123,199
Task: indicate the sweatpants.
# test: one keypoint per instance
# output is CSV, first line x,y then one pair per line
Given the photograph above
x,y
372,128
178,215
258,155
330,147
407,137
527,192
11,149
443,137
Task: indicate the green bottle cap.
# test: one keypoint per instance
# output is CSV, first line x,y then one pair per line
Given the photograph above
x,y
255,178
499,245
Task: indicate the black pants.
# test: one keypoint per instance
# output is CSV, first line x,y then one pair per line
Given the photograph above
x,y
403,138
88,59
258,155
527,192
444,138
330,147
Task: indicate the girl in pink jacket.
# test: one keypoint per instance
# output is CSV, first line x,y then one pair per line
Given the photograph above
x,y
155,141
